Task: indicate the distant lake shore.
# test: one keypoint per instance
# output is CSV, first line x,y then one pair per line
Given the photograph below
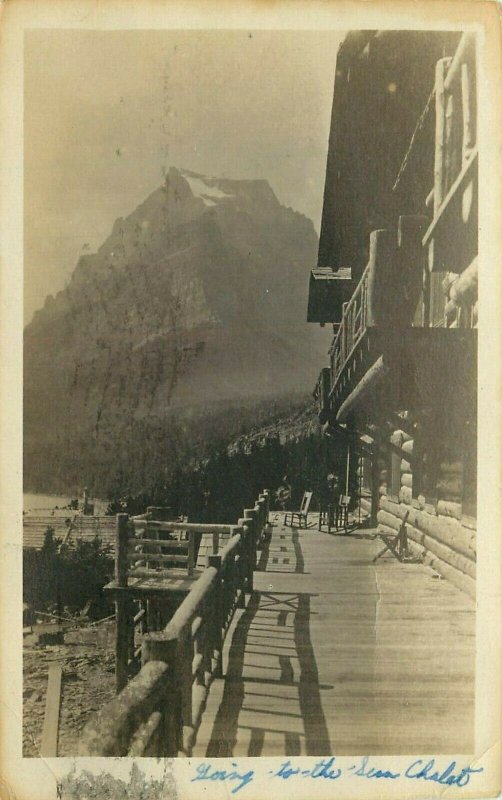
x,y
46,502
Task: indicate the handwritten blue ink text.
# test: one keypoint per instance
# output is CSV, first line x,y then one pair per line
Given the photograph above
x,y
206,772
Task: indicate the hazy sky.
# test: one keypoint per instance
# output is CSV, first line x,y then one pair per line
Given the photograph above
x,y
106,112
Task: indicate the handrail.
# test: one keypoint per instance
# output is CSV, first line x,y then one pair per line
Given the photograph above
x,y
194,527
455,188
462,53
455,157
347,337
160,709
357,289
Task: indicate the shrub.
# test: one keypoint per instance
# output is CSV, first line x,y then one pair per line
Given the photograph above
x,y
66,576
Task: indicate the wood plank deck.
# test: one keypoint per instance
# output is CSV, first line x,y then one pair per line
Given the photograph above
x,y
336,655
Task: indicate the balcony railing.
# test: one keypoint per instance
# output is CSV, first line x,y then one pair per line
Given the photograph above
x,y
454,194
352,327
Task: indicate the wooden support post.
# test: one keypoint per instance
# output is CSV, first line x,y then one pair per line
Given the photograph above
x,y
441,69
375,485
121,642
191,553
252,514
241,589
121,538
467,134
449,156
259,522
130,613
226,586
163,646
184,658
257,510
159,646
217,632
439,157
242,565
262,516
245,523
266,494
403,549
122,634
204,642
49,745
216,543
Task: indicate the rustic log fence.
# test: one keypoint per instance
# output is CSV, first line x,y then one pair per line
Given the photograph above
x,y
159,710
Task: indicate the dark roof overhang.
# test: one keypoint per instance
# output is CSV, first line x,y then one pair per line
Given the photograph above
x,y
328,291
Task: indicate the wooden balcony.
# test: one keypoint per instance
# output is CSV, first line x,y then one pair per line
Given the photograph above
x,y
403,367
380,360
405,338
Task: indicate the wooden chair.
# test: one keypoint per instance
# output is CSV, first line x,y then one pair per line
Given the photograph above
x,y
342,512
302,513
327,515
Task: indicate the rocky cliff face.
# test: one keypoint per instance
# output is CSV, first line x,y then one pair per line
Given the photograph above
x,y
193,305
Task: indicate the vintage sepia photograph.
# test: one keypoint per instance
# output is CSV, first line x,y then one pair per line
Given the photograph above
x,y
250,395
293,562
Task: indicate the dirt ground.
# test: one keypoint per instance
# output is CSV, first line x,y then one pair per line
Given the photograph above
x,y
88,681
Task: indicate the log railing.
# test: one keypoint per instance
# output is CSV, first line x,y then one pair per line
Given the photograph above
x,y
159,710
456,154
352,327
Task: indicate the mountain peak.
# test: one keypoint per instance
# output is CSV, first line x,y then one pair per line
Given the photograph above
x,y
195,301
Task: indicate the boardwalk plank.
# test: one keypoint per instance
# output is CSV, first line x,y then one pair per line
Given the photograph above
x,y
334,654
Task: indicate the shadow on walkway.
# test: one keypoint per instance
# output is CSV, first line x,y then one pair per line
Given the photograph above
x,y
271,650
282,553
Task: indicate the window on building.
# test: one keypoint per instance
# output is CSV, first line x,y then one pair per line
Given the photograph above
x,y
445,464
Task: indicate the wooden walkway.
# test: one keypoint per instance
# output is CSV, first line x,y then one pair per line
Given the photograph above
x,y
337,655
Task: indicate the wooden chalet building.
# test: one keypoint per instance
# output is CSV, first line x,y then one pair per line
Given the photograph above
x,y
397,279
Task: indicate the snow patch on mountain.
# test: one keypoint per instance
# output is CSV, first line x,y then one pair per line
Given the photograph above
x,y
200,189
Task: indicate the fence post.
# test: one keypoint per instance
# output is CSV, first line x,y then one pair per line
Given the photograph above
x,y
163,646
259,522
262,503
184,671
266,495
246,524
251,520
191,552
217,633
121,603
243,565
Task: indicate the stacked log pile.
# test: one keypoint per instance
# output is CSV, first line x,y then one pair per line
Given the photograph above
x,y
443,536
462,295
